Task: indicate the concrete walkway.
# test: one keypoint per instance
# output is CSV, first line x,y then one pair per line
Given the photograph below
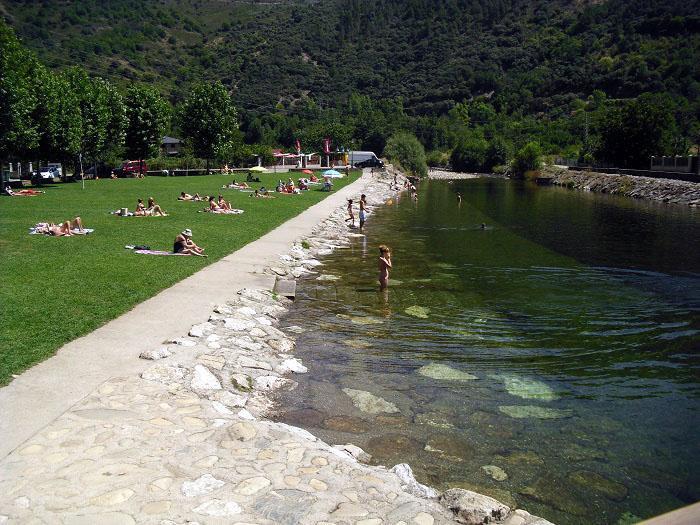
x,y
47,390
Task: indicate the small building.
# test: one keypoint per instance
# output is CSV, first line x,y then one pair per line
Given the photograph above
x,y
676,164
170,146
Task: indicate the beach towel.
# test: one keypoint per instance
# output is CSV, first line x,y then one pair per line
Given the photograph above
x,y
159,252
34,230
225,212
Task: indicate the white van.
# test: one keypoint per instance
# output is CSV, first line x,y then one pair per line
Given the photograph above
x,y
364,159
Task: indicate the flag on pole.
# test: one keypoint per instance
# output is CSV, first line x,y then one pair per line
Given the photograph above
x,y
298,147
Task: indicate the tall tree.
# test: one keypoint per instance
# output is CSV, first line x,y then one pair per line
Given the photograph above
x,y
19,134
147,116
58,117
208,119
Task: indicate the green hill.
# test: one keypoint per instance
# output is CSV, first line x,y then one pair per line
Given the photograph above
x,y
529,56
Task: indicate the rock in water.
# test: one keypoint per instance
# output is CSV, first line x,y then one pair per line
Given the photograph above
x,y
531,411
495,472
444,373
472,508
369,403
327,277
527,388
418,311
594,481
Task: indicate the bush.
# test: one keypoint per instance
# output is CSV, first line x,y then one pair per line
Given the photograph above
x,y
528,158
406,151
497,153
470,154
438,159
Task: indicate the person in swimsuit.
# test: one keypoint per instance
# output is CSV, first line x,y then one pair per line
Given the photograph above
x,y
154,209
351,215
226,206
65,229
185,196
363,209
140,209
185,245
22,193
384,266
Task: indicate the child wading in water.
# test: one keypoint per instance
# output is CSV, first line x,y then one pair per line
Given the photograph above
x,y
363,210
350,213
384,265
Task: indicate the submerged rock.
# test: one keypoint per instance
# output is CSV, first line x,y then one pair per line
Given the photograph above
x,y
418,311
369,403
354,425
453,447
556,493
445,373
521,457
389,448
532,411
356,319
358,343
594,481
495,472
526,388
327,277
434,419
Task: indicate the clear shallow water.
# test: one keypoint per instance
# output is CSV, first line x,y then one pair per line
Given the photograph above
x,y
586,307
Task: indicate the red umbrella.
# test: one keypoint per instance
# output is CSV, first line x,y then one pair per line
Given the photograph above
x,y
308,172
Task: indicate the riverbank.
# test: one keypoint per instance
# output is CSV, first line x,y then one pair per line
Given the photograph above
x,y
439,174
186,439
663,190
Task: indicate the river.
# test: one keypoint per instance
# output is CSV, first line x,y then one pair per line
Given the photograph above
x,y
550,359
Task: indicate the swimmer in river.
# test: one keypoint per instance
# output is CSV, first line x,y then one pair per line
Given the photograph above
x,y
483,225
459,197
384,266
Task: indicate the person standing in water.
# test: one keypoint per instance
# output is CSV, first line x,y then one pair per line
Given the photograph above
x,y
363,209
384,266
351,215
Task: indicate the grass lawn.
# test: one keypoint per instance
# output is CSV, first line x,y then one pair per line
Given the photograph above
x,y
55,289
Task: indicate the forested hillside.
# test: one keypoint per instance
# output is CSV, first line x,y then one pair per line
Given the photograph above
x,y
529,61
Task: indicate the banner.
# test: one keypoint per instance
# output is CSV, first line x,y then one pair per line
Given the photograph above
x,y
326,145
298,147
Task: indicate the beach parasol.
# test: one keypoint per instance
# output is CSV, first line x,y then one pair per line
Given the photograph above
x,y
333,174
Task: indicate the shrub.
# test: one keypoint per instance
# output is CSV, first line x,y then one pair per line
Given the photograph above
x,y
438,159
528,158
405,150
497,153
470,153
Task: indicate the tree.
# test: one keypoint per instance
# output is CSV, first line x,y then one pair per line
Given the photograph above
x,y
631,133
528,158
147,117
470,153
404,149
208,119
19,134
497,153
58,117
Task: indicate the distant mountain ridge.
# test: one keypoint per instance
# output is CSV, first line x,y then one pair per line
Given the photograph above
x,y
529,57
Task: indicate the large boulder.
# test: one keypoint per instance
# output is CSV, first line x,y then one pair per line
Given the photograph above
x,y
473,508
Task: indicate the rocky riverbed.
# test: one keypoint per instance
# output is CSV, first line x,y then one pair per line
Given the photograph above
x,y
188,441
664,190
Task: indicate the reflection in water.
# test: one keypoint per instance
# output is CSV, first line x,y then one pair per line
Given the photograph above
x,y
549,360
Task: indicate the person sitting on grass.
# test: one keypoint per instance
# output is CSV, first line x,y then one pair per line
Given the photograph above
x,y
185,245
327,184
154,209
65,229
223,204
22,193
303,184
313,178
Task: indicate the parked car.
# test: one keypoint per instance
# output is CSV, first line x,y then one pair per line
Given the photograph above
x,y
47,174
130,168
370,163
364,159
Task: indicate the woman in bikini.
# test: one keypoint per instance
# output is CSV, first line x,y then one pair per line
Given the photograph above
x,y
154,209
363,209
65,229
350,213
226,206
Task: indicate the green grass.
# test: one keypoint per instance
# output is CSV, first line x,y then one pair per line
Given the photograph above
x,y
55,289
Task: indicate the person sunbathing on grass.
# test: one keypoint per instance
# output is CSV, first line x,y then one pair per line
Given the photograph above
x,y
65,229
213,205
154,209
236,185
226,206
22,193
185,245
185,196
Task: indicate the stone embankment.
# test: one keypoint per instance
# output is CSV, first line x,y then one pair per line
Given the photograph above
x,y
187,441
663,190
438,174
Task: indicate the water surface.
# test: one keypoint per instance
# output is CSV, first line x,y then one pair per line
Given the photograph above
x,y
574,320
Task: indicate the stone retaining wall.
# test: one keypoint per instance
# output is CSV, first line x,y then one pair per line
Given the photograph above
x,y
663,190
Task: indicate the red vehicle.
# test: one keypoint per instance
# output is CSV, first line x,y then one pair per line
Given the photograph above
x,y
130,168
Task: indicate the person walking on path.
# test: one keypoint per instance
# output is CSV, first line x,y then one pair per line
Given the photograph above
x,y
351,215
363,210
384,266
